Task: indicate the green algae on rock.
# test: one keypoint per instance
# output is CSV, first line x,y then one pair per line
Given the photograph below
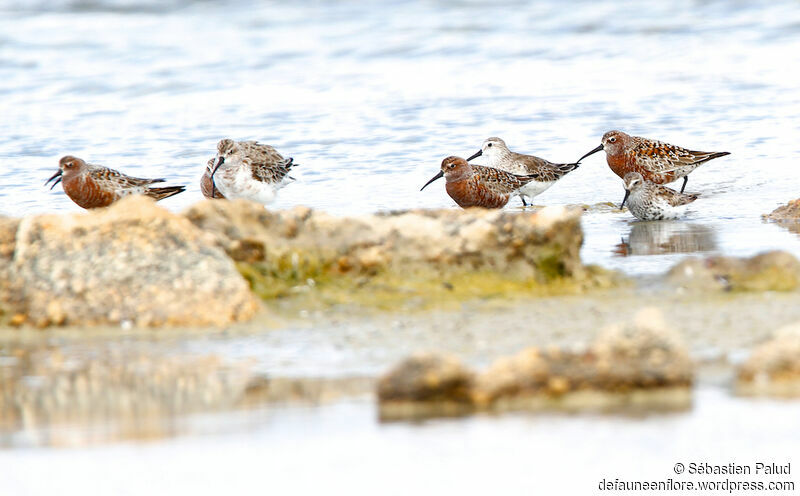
x,y
773,368
132,262
642,364
770,271
387,259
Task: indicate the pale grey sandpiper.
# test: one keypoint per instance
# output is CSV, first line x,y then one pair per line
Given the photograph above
x,y
250,170
650,201
500,157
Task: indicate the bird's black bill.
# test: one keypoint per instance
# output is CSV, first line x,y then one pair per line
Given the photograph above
x,y
600,147
54,176
478,154
220,161
622,205
437,176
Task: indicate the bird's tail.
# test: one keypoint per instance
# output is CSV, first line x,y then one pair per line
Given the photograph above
x,y
703,157
166,192
288,167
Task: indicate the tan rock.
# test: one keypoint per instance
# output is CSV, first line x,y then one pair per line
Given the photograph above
x,y
427,377
9,292
642,364
789,212
770,271
543,245
774,367
425,385
645,353
133,261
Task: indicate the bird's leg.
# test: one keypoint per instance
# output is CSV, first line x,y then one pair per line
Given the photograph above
x,y
523,201
685,180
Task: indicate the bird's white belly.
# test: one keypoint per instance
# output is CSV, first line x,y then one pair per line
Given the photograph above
x,y
240,183
535,188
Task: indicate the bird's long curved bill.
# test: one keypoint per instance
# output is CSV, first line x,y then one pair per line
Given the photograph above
x,y
437,176
213,184
627,194
54,176
600,147
477,154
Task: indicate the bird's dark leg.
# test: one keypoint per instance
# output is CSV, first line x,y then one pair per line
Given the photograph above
x,y
523,201
685,180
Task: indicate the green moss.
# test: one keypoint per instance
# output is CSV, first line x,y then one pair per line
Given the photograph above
x,y
769,279
308,282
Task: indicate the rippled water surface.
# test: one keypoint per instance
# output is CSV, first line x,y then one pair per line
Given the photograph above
x,y
369,97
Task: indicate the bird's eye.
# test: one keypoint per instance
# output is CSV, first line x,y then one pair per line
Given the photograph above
x,y
489,145
452,166
612,140
68,164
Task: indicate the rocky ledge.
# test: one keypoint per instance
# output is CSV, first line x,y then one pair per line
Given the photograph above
x,y
642,363
133,262
138,263
787,216
786,213
773,368
771,271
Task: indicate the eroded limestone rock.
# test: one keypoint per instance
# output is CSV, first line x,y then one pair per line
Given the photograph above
x,y
8,294
773,368
426,384
789,212
535,245
642,363
133,261
474,249
770,271
638,356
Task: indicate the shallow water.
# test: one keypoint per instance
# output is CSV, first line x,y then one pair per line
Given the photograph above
x,y
369,97
297,450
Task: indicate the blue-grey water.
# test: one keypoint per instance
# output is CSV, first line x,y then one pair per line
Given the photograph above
x,y
369,97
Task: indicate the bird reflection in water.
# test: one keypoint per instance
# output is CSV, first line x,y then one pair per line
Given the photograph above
x,y
662,237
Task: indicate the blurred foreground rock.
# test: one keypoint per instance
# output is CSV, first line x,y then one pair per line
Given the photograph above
x,y
771,271
638,364
427,384
133,261
8,236
773,368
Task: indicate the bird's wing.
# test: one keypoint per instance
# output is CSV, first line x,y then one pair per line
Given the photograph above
x,y
546,170
660,157
267,164
501,181
675,198
113,179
